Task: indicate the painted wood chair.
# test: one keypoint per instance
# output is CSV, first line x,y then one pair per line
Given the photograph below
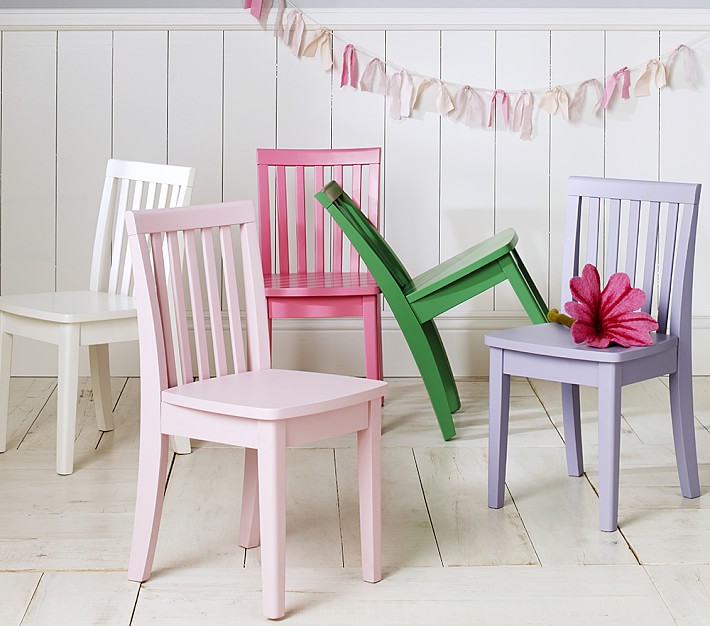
x,y
247,403
103,314
308,273
633,214
415,302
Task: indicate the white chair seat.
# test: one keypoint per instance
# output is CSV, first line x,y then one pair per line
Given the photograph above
x,y
556,340
70,307
273,394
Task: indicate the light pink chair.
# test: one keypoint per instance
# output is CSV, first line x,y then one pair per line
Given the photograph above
x,y
308,273
263,409
650,235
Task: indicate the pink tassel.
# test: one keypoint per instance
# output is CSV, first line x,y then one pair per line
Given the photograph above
x,y
503,106
350,69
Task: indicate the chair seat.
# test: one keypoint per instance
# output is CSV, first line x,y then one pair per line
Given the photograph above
x,y
317,284
461,265
70,307
556,340
274,394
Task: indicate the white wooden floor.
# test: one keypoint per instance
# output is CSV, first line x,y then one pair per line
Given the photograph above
x,y
447,558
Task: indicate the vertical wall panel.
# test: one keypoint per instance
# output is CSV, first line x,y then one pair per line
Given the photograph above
x,y
358,117
140,96
249,111
28,162
522,167
83,146
576,148
303,102
467,154
411,221
685,138
631,125
195,108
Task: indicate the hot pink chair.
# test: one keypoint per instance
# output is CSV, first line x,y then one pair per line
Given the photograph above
x,y
650,235
263,409
307,271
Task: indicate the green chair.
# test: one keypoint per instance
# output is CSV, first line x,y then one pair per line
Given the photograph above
x,y
415,302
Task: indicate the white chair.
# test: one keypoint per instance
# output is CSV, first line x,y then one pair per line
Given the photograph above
x,y
103,314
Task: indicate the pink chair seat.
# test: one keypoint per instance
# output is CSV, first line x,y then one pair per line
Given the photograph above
x,y
305,284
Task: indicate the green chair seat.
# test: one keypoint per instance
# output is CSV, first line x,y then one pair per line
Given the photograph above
x,y
415,302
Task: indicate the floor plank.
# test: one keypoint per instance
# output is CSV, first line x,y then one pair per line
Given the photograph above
x,y
16,591
468,532
85,598
685,590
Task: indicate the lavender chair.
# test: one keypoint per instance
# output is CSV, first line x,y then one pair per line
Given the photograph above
x,y
633,211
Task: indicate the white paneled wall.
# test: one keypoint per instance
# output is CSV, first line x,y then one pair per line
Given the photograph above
x,y
206,88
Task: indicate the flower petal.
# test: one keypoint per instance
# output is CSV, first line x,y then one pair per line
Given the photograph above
x,y
585,288
619,297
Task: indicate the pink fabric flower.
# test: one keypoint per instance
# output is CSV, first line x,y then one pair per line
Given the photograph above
x,y
611,315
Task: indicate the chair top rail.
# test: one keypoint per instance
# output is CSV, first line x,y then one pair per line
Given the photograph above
x,y
187,218
151,172
625,189
310,158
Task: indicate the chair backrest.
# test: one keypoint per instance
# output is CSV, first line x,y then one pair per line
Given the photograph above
x,y
643,228
303,241
131,186
381,260
162,292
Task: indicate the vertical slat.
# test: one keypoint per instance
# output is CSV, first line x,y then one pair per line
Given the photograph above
x,y
337,233
180,315
667,271
593,230
264,218
230,287
150,196
164,303
570,255
649,264
118,236
163,196
632,238
318,212
357,196
612,242
300,219
174,196
137,203
373,195
282,219
213,301
198,315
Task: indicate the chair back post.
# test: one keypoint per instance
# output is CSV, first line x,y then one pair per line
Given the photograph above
x,y
131,185
622,206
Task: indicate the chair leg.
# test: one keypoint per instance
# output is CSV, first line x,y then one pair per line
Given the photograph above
x,y
272,505
444,366
373,337
5,370
67,391
572,429
101,386
682,415
152,476
525,289
499,410
249,522
609,445
180,445
369,469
